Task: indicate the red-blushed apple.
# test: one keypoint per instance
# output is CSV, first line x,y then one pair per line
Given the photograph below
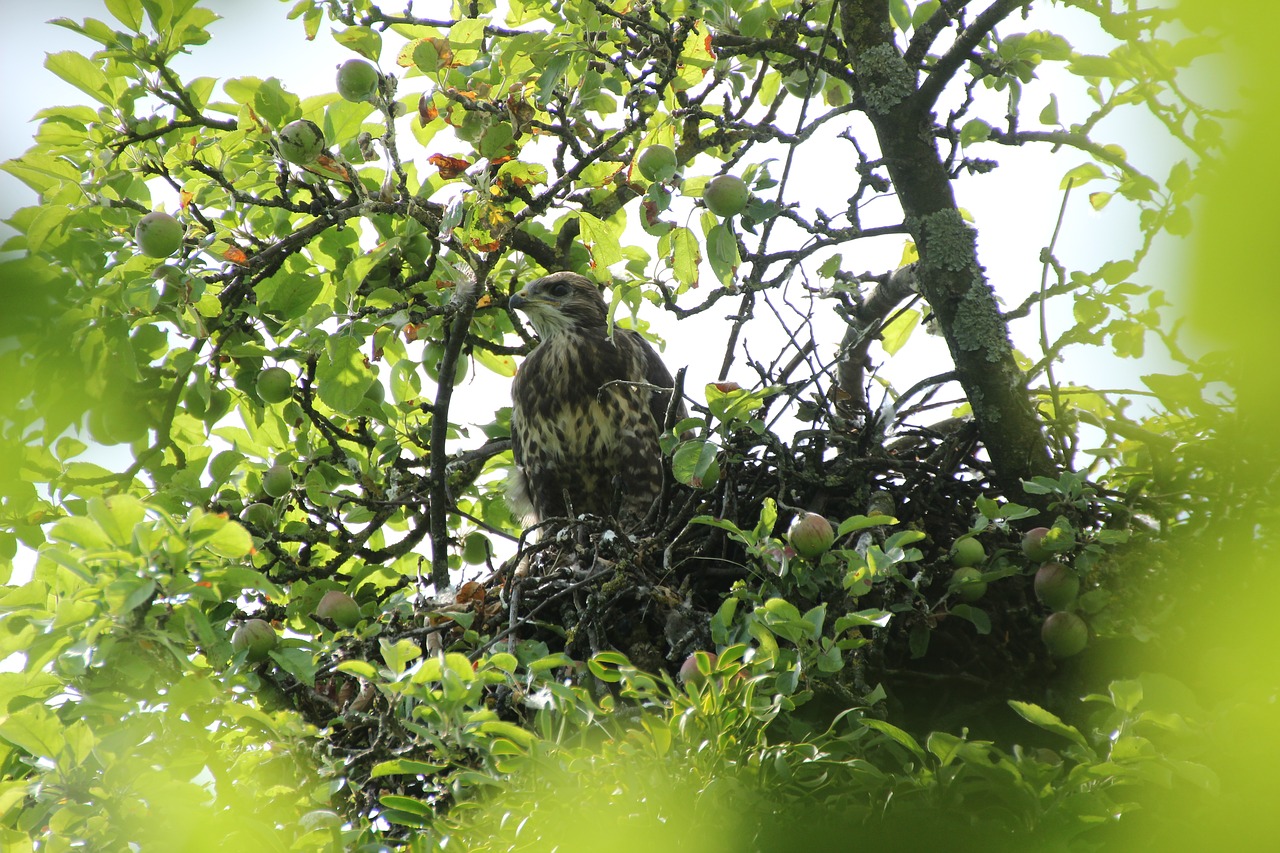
x,y
1064,634
340,608
256,637
811,535
1056,586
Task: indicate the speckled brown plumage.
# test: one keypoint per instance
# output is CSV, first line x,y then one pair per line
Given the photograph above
x,y
577,426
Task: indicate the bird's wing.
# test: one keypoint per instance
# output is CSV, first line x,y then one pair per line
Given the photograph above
x,y
656,374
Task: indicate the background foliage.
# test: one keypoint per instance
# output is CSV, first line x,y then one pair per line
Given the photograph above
x,y
165,499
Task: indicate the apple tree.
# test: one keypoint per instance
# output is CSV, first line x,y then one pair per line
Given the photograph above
x,y
264,585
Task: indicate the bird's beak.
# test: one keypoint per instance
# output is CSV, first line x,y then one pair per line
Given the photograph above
x,y
526,297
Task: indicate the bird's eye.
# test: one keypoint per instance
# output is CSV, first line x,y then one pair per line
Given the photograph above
x,y
560,288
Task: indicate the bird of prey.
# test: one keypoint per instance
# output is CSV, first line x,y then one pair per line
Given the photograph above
x,y
588,406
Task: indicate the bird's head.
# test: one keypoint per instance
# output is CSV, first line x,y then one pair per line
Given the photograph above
x,y
562,302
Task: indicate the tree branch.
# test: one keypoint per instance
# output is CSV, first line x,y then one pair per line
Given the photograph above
x,y
938,78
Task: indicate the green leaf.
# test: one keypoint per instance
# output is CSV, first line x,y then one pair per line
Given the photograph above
x,y
606,674
895,335
1049,115
274,104
522,174
686,256
872,618
118,515
923,13
695,58
503,365
722,252
1126,694
36,730
552,73
862,522
81,532
511,731
42,172
127,12
1041,718
342,376
1095,66
406,804
425,54
300,663
601,240
365,41
81,73
1179,222
692,461
466,37
1114,272
974,130
768,519
1177,391
1179,176
360,668
405,767
724,524
397,655
831,659
897,735
231,541
979,618
550,662
782,609
900,14
1082,174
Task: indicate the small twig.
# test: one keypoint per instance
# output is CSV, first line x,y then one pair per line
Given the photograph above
x,y
1044,322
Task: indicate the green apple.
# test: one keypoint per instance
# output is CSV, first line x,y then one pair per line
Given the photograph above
x,y
301,142
277,480
259,515
357,80
657,162
726,195
968,552
967,583
158,234
274,385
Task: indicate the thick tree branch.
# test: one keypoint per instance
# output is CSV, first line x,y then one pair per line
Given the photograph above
x,y
948,273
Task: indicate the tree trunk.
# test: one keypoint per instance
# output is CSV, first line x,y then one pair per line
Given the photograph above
x,y
948,273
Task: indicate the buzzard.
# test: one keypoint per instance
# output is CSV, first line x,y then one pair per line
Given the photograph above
x,y
587,409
